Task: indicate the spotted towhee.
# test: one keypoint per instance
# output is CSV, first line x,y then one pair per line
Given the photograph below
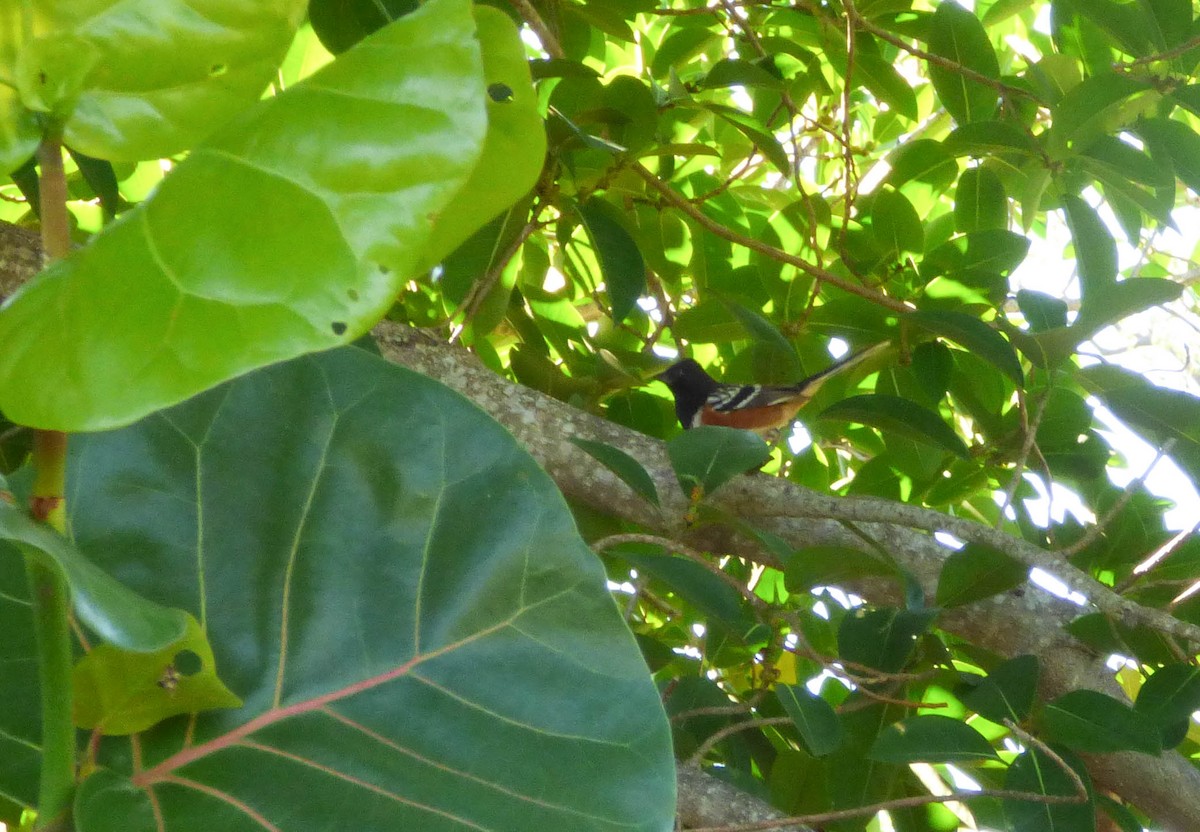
x,y
702,400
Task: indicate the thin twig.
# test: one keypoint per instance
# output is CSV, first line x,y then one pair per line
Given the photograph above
x,y
534,20
1031,429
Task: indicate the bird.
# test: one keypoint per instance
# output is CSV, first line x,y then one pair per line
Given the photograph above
x,y
702,400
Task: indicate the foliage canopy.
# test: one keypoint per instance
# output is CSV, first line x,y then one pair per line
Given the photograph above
x,y
356,587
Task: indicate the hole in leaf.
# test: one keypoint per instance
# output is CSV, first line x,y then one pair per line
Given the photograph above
x,y
500,93
383,269
339,328
188,663
352,294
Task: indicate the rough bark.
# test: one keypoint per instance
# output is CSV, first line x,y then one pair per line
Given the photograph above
x,y
1027,621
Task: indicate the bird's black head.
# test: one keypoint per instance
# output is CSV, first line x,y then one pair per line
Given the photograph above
x,y
690,385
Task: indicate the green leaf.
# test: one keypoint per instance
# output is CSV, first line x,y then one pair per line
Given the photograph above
x,y
815,566
1092,722
1156,413
883,638
1180,143
975,572
1008,691
400,596
115,613
1043,312
1095,249
813,717
753,130
924,160
621,262
931,739
198,299
1120,300
1035,772
514,148
974,335
1170,696
895,224
144,79
680,45
1100,106
710,456
989,138
623,465
980,202
892,414
118,692
769,336
339,24
957,35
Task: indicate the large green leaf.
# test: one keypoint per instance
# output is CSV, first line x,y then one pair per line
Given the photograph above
x,y
710,456
1034,771
892,414
957,35
1089,721
976,336
108,608
813,717
20,718
400,597
141,79
1008,691
196,286
931,738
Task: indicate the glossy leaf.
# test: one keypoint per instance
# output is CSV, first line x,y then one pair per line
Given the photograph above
x,y
1008,691
957,35
1089,721
1034,771
931,738
112,611
710,456
814,719
345,232
973,334
118,692
1170,696
975,572
892,414
624,466
621,262
397,592
147,78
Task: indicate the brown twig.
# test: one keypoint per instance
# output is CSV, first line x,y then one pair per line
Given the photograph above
x,y
1030,427
534,20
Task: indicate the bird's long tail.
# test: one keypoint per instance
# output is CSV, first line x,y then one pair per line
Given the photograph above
x,y
813,383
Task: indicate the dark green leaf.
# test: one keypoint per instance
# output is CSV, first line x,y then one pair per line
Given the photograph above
x,y
882,639
710,456
339,24
815,566
814,719
976,572
980,201
620,260
624,466
1181,144
116,614
974,335
1095,249
398,593
680,46
100,177
1170,695
1008,691
892,414
1043,312
931,739
769,336
1091,722
895,224
1033,771
957,35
